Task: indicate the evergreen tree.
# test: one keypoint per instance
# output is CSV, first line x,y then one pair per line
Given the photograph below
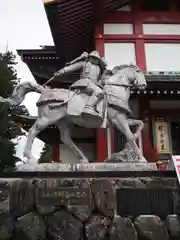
x,y
9,130
46,155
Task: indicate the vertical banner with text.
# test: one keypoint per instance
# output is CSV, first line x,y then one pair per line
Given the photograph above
x,y
162,137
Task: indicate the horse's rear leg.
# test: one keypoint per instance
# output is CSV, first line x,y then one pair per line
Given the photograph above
x,y
65,130
136,122
38,126
121,122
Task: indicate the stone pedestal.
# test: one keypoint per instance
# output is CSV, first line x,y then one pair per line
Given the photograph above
x,y
80,202
94,167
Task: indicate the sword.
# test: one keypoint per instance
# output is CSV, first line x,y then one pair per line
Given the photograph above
x,y
48,81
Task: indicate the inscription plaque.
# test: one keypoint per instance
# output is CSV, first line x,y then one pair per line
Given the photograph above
x,y
63,196
74,195
135,202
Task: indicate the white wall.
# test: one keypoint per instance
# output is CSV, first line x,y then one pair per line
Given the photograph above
x,y
126,8
118,28
67,155
159,29
119,53
162,56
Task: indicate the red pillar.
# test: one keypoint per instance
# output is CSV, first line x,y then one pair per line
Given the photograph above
x,y
138,31
112,141
101,145
101,134
148,150
144,103
56,152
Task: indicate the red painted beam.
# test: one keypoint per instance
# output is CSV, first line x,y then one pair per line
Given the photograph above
x,y
123,37
160,17
162,37
146,17
161,41
118,17
143,38
119,41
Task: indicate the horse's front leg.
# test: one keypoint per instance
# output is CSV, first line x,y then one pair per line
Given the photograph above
x,y
38,126
65,130
33,132
135,122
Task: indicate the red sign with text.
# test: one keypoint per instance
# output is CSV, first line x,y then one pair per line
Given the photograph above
x,y
176,161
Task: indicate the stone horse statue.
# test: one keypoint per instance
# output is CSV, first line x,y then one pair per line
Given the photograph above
x,y
54,108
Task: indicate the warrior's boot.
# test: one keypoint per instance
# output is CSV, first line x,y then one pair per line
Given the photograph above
x,y
93,100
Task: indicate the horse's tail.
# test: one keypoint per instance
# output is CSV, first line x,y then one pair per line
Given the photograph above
x,y
20,92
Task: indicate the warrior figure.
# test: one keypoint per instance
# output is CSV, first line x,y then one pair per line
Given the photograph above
x,y
92,67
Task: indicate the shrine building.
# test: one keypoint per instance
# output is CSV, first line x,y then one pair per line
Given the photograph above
x,y
143,32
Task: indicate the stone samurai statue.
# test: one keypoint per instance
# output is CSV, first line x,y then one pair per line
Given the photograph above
x,y
91,66
99,98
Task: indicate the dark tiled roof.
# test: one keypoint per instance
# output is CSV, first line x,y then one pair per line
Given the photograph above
x,y
72,23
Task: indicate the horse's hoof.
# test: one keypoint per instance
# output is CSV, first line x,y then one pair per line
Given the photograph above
x,y
142,159
2,99
30,160
84,160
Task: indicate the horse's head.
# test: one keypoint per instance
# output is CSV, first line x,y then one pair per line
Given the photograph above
x,y
134,75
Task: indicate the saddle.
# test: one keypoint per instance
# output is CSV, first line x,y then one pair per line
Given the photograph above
x,y
78,106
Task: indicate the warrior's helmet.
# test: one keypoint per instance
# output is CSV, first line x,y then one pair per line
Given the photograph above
x,y
102,61
94,54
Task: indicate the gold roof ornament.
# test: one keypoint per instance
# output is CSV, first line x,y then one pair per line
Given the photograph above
x,y
48,1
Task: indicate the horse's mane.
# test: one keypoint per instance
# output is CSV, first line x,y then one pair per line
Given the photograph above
x,y
120,67
131,66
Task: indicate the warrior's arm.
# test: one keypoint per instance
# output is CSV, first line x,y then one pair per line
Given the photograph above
x,y
69,69
83,56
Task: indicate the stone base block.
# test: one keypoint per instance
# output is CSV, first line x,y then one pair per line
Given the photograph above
x,y
62,167
85,208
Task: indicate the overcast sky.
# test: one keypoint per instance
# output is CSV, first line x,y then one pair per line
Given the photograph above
x,y
23,25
